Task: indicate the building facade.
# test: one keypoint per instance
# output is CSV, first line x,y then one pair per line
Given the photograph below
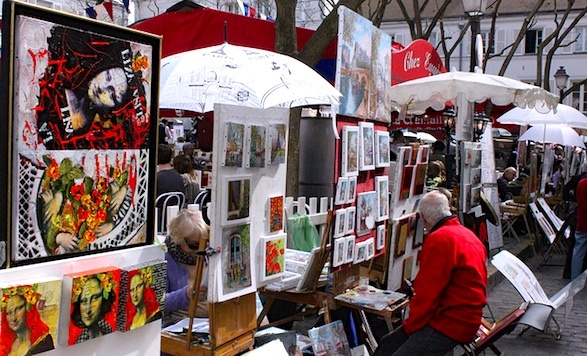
x,y
571,54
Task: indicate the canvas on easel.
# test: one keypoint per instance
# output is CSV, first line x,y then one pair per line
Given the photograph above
x,y
275,218
273,256
235,207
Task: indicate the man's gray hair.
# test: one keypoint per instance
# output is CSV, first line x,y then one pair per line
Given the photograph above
x,y
434,207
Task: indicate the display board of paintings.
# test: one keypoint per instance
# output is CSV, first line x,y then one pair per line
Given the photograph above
x,y
80,102
251,179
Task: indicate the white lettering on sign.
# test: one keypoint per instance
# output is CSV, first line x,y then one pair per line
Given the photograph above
x,y
410,62
429,66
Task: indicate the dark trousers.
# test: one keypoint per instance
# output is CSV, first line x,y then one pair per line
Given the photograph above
x,y
425,341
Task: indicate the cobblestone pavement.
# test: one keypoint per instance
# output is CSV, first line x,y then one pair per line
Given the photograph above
x,y
503,298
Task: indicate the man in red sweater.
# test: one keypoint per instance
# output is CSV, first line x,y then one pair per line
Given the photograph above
x,y
580,248
450,288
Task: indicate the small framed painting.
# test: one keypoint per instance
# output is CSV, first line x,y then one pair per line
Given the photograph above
x,y
340,223
350,220
407,271
338,257
406,182
275,218
401,230
381,149
366,146
404,156
352,190
341,191
234,141
418,238
236,191
278,143
350,151
370,249
360,252
382,189
256,146
380,237
423,154
366,212
273,255
420,180
349,249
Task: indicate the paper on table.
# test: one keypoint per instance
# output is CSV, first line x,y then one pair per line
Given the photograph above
x,y
201,325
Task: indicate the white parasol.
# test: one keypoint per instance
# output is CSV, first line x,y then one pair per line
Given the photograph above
x,y
196,80
553,133
564,115
415,96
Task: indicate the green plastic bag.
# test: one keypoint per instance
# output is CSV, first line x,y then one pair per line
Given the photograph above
x,y
302,235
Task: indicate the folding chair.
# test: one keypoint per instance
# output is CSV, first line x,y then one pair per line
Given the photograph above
x,y
555,229
163,203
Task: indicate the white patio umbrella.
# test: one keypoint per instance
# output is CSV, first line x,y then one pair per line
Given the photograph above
x,y
426,137
196,80
415,96
553,133
564,115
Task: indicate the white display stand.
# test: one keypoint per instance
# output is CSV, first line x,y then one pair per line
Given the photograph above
x,y
143,341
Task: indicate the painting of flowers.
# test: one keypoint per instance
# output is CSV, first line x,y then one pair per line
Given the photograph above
x,y
83,202
273,254
275,213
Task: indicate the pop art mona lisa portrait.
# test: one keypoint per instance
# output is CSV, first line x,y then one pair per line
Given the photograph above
x,y
82,135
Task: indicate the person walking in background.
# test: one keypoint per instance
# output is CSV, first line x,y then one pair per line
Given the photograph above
x,y
449,290
183,165
168,179
398,141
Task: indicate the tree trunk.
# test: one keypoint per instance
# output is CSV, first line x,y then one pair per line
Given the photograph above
x,y
285,27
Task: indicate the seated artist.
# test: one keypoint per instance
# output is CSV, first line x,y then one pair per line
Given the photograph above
x,y
507,185
185,232
449,290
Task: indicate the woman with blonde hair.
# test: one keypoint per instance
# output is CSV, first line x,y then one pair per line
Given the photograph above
x,y
185,232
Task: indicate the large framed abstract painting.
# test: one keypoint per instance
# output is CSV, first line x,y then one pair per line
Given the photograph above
x,y
80,102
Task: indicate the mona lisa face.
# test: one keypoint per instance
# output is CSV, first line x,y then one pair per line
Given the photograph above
x,y
91,302
16,313
137,289
108,88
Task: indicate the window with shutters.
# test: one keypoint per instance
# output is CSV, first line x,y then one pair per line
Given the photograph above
x,y
533,39
581,39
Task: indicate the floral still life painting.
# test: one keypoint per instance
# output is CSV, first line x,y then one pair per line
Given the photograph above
x,y
84,202
275,213
273,254
29,314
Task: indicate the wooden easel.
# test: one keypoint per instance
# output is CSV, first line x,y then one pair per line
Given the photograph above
x,y
232,323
